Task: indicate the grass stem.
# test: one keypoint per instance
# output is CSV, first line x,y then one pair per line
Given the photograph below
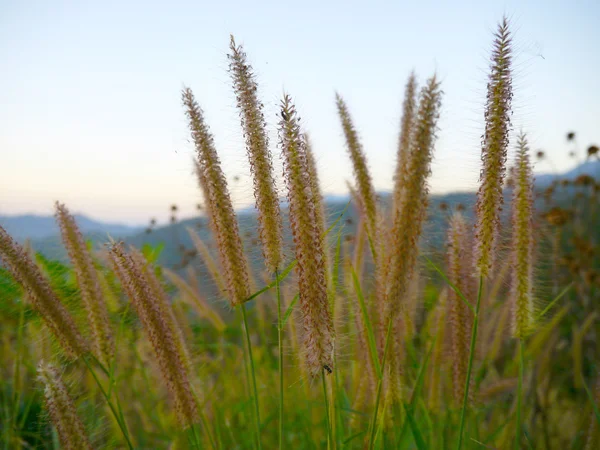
x,y
519,396
253,374
470,366
280,348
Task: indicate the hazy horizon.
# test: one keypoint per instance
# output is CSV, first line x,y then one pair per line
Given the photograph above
x,y
91,107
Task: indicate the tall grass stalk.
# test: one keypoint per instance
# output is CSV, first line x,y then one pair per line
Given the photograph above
x,y
520,395
280,349
253,375
373,426
470,366
118,417
327,416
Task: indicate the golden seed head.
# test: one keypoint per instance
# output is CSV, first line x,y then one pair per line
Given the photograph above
x,y
56,317
259,156
61,409
359,164
89,284
158,323
308,239
523,243
221,213
494,150
409,109
410,213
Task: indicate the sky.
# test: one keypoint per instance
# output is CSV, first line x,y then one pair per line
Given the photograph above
x,y
91,115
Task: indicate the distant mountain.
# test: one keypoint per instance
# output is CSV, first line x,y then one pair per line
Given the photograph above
x,y
42,227
591,168
45,237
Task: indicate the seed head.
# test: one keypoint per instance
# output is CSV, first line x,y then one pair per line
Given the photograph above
x,y
89,284
522,246
222,215
308,240
158,323
42,297
259,156
494,151
359,164
61,408
409,109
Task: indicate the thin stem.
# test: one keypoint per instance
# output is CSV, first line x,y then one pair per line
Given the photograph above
x,y
280,345
329,433
112,408
249,344
379,384
519,395
470,366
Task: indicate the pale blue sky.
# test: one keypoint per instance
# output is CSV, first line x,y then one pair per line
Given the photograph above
x,y
90,108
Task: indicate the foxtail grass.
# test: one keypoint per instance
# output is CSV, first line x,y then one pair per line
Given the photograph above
x,y
409,214
489,196
45,301
61,409
218,203
362,176
89,285
318,337
259,155
154,316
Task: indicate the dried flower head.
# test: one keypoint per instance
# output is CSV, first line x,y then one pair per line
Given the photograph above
x,y
89,284
592,150
494,150
308,240
41,295
223,218
570,136
61,408
522,246
259,156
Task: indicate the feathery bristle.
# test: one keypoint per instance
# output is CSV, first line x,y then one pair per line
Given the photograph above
x,y
308,239
522,246
222,215
494,151
359,164
61,408
56,317
159,329
89,284
259,156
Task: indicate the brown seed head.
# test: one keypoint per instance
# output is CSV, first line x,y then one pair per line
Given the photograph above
x,y
61,408
359,164
89,285
158,323
309,246
522,246
221,213
494,150
42,297
259,156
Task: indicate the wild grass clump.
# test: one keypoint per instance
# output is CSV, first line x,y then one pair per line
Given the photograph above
x,y
359,328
